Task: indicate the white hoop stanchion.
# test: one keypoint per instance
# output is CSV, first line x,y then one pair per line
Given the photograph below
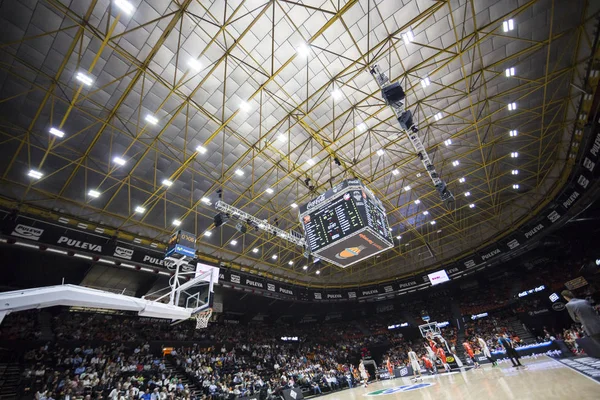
x,y
202,318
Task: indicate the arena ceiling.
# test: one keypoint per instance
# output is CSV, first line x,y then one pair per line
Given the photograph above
x,y
266,86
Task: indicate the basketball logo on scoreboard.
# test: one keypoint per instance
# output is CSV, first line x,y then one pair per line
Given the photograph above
x,y
403,388
349,252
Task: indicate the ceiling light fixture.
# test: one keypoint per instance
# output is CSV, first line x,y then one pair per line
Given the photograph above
x,y
269,191
471,205
512,106
380,152
396,172
425,212
140,210
233,242
510,72
83,78
336,94
176,222
94,193
57,133
408,36
208,233
205,200
515,172
305,267
274,256
438,116
467,194
514,154
294,205
151,119
290,263
282,138
119,161
195,65
399,237
508,25
310,162
425,82
448,142
516,186
167,183
417,201
239,172
362,127
455,163
513,133
407,188
201,150
244,106
125,6
318,272
432,222
303,50
255,250
462,180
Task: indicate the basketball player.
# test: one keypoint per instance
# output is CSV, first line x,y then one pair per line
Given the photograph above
x,y
441,354
428,364
486,351
470,353
389,367
363,373
431,355
414,363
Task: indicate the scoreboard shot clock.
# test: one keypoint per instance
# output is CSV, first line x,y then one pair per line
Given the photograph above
x,y
346,224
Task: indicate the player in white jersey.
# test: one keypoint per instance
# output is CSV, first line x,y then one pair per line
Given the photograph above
x,y
414,363
363,373
486,351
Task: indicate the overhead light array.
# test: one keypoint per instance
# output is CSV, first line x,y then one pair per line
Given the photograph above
x,y
119,161
151,119
408,36
85,79
35,174
508,25
125,6
57,133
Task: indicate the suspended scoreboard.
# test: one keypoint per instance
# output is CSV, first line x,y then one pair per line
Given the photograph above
x,y
346,224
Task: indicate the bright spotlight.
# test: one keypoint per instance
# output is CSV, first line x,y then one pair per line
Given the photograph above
x,y
125,6
57,132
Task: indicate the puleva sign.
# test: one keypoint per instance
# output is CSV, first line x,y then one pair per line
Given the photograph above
x,y
396,389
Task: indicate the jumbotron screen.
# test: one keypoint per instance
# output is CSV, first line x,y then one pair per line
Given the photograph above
x,y
346,224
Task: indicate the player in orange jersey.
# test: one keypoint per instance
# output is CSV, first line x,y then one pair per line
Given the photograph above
x,y
470,353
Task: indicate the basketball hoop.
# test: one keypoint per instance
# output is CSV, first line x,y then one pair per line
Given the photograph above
x,y
202,318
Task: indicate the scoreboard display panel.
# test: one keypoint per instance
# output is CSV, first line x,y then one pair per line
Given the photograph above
x,y
346,224
333,221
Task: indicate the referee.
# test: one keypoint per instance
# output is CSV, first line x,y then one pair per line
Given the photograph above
x,y
510,350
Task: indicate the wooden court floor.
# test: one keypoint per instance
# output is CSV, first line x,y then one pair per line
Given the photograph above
x,y
543,379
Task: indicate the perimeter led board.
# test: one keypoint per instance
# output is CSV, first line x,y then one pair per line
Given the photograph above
x,y
346,224
438,277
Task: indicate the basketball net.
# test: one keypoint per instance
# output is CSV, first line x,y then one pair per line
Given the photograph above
x,y
202,318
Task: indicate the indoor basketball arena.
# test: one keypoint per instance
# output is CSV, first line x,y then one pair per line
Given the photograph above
x,y
297,199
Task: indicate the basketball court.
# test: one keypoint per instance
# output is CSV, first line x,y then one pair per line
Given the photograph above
x,y
544,378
